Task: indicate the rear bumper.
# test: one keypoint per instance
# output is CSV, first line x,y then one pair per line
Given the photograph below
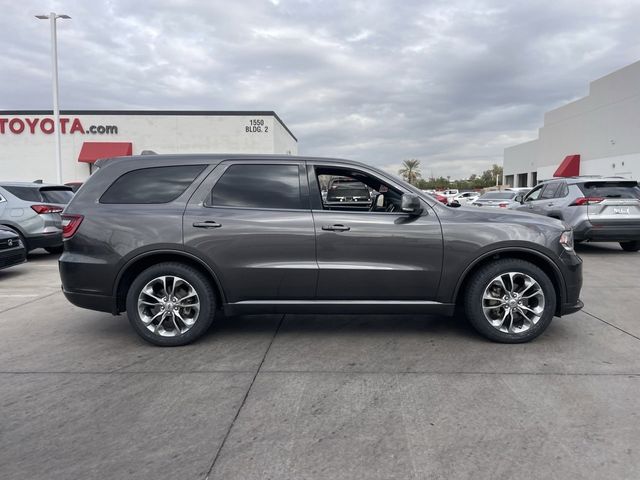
x,y
12,256
585,230
44,241
91,301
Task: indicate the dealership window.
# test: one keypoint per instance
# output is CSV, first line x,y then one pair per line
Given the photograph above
x,y
522,180
151,185
258,186
508,180
534,179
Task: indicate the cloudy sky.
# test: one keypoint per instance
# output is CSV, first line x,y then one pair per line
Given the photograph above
x,y
448,82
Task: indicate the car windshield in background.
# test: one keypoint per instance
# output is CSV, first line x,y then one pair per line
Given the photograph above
x,y
56,195
611,189
498,196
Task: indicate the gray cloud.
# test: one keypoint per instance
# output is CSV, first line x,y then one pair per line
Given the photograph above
x,y
449,82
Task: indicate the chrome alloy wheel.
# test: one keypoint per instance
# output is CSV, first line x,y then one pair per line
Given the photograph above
x,y
513,302
168,306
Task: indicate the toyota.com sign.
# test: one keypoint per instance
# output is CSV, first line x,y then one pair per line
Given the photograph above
x,y
33,125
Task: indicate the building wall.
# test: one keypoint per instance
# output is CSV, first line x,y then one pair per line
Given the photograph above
x,y
603,128
27,156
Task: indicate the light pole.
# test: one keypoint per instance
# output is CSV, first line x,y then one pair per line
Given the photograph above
x,y
52,17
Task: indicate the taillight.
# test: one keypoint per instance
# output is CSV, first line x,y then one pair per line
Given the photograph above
x,y
70,224
503,205
40,209
586,201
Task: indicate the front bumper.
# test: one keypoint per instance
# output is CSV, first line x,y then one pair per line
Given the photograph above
x,y
12,256
572,273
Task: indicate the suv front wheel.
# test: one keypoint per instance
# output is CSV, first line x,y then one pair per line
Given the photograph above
x,y
170,304
510,301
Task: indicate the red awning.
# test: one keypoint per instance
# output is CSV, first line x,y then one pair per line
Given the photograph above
x,y
92,151
570,167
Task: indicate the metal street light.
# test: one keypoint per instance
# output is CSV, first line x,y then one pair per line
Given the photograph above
x,y
52,17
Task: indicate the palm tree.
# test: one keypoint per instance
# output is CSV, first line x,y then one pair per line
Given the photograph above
x,y
410,170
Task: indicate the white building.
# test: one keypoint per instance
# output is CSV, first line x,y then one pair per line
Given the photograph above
x,y
27,148
595,135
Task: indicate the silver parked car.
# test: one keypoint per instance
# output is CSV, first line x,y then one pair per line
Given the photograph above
x,y
600,209
507,199
32,210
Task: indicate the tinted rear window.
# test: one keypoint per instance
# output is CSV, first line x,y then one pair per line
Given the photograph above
x,y
28,194
610,189
56,195
258,186
152,185
498,196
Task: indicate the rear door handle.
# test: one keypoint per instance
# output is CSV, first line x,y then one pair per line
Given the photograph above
x,y
336,228
550,204
207,224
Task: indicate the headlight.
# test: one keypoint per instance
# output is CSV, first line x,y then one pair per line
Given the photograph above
x,y
566,240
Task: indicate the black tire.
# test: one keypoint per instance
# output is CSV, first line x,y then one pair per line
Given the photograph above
x,y
480,281
55,250
200,283
632,246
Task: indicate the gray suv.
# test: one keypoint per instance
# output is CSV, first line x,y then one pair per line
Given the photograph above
x,y
599,209
175,240
32,210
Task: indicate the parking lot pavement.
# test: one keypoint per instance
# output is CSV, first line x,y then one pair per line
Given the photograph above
x,y
327,397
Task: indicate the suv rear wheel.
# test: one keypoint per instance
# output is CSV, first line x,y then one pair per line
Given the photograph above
x,y
632,246
510,301
170,304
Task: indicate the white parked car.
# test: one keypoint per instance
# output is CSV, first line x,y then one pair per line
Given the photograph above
x,y
450,194
505,199
465,198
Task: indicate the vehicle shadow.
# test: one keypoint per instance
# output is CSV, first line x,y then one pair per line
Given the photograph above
x,y
587,248
315,324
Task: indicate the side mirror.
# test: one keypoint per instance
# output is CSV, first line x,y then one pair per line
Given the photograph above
x,y
519,198
411,204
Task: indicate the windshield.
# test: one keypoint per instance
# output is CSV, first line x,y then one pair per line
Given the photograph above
x,y
498,196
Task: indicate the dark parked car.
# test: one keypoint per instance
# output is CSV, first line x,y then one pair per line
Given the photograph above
x,y
12,252
599,209
173,239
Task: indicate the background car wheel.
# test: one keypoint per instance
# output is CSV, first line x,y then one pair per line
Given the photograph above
x,y
58,249
633,246
510,301
170,304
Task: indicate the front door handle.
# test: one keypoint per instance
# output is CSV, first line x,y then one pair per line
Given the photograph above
x,y
207,224
550,204
336,228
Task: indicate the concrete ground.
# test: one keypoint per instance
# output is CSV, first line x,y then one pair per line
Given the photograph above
x,y
320,397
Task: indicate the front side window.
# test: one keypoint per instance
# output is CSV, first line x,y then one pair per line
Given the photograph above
x,y
550,191
151,185
258,186
348,190
534,194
